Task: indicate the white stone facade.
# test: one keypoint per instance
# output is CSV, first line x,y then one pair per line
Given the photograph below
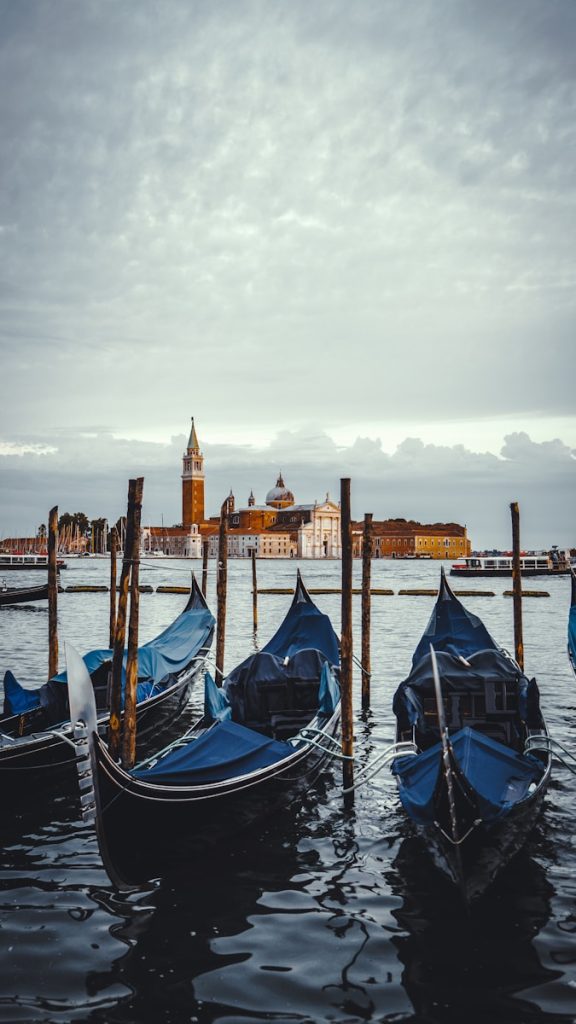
x,y
320,538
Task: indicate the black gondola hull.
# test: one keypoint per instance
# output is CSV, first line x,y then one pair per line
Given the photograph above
x,y
147,830
479,859
23,595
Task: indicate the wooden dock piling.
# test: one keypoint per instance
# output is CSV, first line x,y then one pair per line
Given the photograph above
x,y
517,585
205,549
367,544
52,593
254,591
120,631
113,556
130,693
221,587
346,634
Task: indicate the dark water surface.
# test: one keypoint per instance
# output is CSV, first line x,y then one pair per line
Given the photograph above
x,y
321,914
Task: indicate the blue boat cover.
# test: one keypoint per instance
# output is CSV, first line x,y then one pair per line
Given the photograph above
x,y
572,623
305,626
265,683
158,661
458,676
499,777
452,628
224,751
18,700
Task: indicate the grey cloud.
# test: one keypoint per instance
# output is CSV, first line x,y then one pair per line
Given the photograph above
x,y
354,212
421,481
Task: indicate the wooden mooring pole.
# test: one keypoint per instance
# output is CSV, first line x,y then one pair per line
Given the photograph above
x,y
120,631
113,556
205,549
221,587
254,591
346,636
129,734
517,585
367,544
53,592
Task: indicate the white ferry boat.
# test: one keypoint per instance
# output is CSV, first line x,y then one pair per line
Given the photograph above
x,y
534,563
9,561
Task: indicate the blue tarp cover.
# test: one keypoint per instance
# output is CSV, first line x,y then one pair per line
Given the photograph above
x,y
264,683
305,626
158,661
572,624
499,776
18,700
452,628
224,751
490,666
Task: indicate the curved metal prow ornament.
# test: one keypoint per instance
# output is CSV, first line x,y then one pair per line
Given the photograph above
x,y
446,752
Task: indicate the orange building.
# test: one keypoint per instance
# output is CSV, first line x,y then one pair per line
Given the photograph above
x,y
401,538
192,482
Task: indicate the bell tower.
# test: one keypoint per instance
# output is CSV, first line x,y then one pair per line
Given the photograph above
x,y
192,482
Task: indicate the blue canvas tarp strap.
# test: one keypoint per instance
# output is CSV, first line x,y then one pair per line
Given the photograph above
x,y
217,707
329,693
224,751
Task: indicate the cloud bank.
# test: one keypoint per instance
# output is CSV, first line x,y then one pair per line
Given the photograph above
x,y
421,481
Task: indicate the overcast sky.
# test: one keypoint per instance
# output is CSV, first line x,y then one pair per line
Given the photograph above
x,y
341,235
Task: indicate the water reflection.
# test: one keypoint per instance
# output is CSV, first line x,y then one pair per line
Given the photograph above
x,y
478,965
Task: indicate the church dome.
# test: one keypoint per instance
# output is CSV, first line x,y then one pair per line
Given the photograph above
x,y
279,496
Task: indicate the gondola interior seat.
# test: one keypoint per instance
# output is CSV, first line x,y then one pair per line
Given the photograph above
x,y
273,696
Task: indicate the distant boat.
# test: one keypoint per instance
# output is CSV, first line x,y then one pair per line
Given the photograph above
x,y
554,563
22,595
572,623
473,759
8,562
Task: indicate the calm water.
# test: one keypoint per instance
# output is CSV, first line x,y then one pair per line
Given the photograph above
x,y
324,915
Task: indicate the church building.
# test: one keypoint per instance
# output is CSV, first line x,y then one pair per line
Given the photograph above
x,y
277,529
281,528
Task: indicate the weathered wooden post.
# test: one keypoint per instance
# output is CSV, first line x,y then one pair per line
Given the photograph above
x,y
366,583
221,586
113,552
129,736
53,592
205,549
346,637
517,585
254,591
120,632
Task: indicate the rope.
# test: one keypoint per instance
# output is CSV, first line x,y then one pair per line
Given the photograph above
x,y
402,749
359,665
541,741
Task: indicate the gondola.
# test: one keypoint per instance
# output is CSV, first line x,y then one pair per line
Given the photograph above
x,y
35,728
264,736
572,622
472,762
22,595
